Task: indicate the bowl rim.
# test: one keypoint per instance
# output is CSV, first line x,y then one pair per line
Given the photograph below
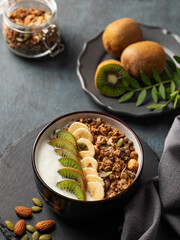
x,y
88,112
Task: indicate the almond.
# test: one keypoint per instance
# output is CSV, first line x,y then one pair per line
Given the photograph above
x,y
23,211
44,225
19,227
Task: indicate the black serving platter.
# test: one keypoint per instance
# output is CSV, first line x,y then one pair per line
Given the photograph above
x,y
18,187
93,53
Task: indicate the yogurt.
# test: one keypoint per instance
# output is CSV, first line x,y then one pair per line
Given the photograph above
x,y
48,165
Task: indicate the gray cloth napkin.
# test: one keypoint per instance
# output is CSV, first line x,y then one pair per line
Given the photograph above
x,y
154,212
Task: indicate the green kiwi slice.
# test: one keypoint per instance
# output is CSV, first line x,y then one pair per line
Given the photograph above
x,y
68,162
73,187
73,174
67,135
63,143
110,78
64,152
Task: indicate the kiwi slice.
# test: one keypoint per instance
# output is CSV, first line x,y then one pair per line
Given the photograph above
x,y
67,135
109,78
64,152
63,143
68,162
73,187
74,174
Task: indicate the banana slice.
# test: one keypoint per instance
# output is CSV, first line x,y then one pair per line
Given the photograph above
x,y
84,154
95,190
89,145
83,133
94,178
89,162
88,171
74,126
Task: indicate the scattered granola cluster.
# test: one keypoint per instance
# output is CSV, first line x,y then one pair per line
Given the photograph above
x,y
27,43
116,156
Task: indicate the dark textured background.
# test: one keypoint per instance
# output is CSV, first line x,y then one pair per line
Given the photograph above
x,y
33,93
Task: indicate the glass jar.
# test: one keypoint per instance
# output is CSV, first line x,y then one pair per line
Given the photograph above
x,y
30,29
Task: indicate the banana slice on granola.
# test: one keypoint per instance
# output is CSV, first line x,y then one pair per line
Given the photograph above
x,y
85,144
88,171
94,178
82,133
89,162
96,190
84,154
74,126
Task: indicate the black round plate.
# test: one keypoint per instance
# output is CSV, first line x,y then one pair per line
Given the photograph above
x,y
93,53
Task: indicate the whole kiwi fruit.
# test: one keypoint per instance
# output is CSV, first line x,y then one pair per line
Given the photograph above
x,y
109,78
143,56
119,34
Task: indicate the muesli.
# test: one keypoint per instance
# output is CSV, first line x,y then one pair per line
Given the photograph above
x,y
28,43
92,160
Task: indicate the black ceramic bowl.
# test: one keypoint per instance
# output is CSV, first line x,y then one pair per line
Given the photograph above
x,y
76,209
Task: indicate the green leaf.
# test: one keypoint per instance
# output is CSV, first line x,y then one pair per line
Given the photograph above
x,y
126,97
133,82
124,87
168,90
145,79
173,94
177,58
175,101
178,72
173,87
171,65
154,94
141,97
177,82
168,73
156,106
162,91
156,76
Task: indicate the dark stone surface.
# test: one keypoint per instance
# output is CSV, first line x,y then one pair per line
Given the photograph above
x,y
18,188
35,92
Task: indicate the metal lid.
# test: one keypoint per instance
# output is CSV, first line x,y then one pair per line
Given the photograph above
x,y
2,5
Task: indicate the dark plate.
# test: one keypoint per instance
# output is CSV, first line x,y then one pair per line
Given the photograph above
x,y
93,53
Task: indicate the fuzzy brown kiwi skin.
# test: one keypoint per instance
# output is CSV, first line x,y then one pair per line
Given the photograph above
x,y
144,56
109,61
119,34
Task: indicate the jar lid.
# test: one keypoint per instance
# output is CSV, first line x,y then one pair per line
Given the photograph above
x,y
2,5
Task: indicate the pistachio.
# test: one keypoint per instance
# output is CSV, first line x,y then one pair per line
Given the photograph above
x,y
35,236
25,237
120,142
82,146
45,237
30,228
9,225
36,209
37,202
105,174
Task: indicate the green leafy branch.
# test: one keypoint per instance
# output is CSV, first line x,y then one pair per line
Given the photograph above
x,y
166,88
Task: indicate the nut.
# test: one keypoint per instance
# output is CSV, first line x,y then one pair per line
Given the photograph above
x,y
36,209
37,202
23,211
19,227
44,225
9,225
30,228
35,236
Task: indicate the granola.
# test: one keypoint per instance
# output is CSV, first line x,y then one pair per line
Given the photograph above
x,y
28,43
116,156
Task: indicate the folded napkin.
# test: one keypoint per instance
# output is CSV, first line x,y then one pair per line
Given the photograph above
x,y
154,212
